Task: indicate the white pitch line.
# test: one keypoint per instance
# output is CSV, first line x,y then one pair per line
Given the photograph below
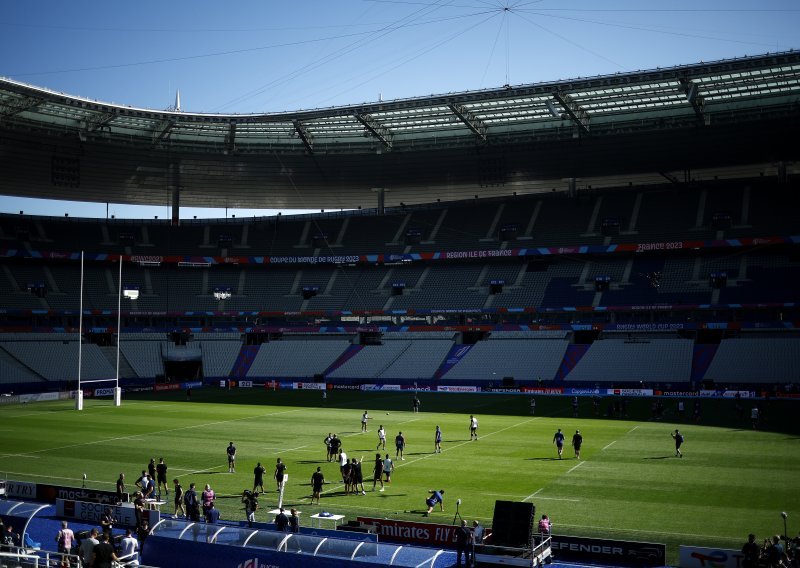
x,y
609,445
407,421
534,494
644,531
465,443
118,438
573,468
57,477
560,499
632,429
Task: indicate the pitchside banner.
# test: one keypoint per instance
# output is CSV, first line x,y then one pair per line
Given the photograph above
x,y
308,386
609,552
696,557
426,534
456,388
93,512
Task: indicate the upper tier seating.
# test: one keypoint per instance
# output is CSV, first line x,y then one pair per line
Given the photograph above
x,y
522,359
756,360
618,360
296,358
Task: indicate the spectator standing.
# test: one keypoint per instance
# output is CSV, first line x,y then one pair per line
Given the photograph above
x,y
575,406
463,543
415,403
120,487
258,476
207,496
477,537
231,451
294,521
178,498
87,547
533,406
192,503
107,521
776,553
751,553
250,501
281,521
161,476
317,481
280,470
143,531
140,482
66,540
149,487
129,549
103,553
400,446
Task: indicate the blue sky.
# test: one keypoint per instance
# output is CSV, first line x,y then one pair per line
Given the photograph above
x,y
264,56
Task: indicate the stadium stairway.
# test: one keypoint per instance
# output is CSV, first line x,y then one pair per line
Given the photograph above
x,y
247,354
572,355
348,354
702,356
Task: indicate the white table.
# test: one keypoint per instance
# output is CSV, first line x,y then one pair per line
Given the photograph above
x,y
333,518
154,504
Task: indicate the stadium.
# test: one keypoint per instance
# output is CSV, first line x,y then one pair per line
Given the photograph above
x,y
614,255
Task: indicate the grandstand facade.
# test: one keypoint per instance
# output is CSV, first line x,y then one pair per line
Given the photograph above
x,y
621,229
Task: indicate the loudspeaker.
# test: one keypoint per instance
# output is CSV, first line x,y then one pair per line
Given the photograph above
x,y
512,523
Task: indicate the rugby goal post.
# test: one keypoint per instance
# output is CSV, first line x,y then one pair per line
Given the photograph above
x,y
115,391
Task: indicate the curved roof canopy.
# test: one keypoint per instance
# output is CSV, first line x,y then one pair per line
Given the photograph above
x,y
343,141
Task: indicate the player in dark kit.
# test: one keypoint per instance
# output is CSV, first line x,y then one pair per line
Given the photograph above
x,y
258,476
280,469
231,458
678,437
400,445
577,441
317,481
558,440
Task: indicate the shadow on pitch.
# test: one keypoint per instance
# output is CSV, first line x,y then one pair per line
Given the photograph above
x,y
545,459
658,458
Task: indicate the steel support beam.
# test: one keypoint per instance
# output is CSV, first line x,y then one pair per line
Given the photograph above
x,y
163,131
692,92
578,115
376,129
473,122
230,139
17,106
305,135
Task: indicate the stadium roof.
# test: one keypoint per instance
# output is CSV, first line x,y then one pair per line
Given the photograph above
x,y
132,155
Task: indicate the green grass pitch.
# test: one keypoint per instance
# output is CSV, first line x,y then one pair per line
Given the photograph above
x,y
628,484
